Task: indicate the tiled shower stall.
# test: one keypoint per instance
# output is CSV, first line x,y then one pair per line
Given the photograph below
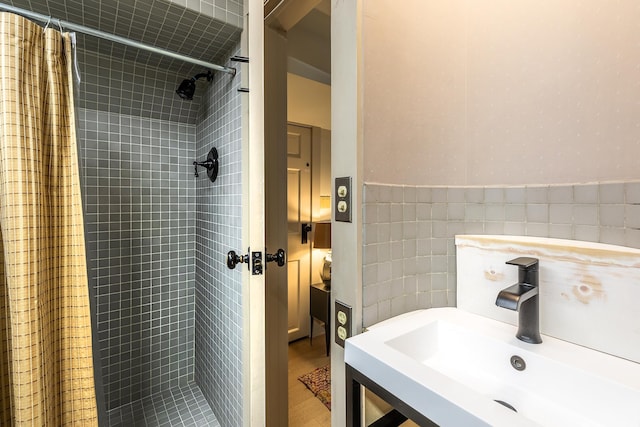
x,y
168,312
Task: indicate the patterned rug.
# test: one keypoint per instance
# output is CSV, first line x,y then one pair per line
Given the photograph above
x,y
319,382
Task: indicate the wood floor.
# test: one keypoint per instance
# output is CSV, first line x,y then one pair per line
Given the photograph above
x,y
304,408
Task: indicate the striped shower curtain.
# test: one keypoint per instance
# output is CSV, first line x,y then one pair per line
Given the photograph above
x,y
46,364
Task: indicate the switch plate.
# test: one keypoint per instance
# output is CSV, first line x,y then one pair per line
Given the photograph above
x,y
343,199
342,322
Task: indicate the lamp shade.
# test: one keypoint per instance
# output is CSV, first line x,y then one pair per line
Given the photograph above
x,y
322,235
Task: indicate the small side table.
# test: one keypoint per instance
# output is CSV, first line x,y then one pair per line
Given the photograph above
x,y
320,308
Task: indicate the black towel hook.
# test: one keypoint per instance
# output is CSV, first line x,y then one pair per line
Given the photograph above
x,y
211,164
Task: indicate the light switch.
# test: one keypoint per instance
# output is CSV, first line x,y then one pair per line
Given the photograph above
x,y
343,206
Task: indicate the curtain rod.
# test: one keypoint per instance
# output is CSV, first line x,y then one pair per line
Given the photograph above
x,y
112,37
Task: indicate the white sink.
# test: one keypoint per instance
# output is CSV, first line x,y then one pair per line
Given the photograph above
x,y
451,366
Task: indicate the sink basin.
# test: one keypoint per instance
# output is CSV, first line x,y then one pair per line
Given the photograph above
x,y
454,367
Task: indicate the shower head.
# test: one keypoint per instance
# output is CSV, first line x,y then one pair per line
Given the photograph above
x,y
188,86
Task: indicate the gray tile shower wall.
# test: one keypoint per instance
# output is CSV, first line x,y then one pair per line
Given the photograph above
x,y
140,221
408,242
196,28
229,11
127,87
218,314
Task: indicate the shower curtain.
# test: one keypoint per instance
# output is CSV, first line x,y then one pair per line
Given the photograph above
x,y
46,365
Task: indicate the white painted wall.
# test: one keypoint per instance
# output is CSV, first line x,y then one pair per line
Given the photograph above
x,y
477,93
500,92
308,102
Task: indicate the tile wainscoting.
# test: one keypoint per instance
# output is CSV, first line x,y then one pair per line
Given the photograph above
x,y
408,238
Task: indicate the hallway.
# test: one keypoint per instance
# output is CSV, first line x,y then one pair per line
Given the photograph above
x,y
305,410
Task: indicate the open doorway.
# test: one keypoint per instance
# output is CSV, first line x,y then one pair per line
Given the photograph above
x,y
302,30
309,118
308,267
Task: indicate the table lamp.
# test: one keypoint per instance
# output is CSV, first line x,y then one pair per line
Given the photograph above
x,y
322,240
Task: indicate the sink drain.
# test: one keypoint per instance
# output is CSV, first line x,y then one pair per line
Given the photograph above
x,y
518,363
505,404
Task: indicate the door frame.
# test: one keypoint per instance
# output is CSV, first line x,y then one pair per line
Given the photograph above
x,y
253,215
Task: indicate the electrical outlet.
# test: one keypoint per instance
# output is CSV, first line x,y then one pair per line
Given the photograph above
x,y
343,322
343,199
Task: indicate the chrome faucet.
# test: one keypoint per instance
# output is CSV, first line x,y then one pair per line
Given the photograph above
x,y
523,298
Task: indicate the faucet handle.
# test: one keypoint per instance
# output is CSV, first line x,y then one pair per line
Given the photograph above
x,y
524,262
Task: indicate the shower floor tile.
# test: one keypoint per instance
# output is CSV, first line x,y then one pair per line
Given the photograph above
x,y
176,407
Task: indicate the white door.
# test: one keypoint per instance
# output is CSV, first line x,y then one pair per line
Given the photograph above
x,y
298,216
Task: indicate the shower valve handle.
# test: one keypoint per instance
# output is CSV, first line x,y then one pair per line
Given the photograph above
x,y
234,259
211,165
207,164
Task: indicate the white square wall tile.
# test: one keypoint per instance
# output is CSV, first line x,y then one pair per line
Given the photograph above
x,y
410,194
587,193
439,298
423,211
560,194
612,215
537,229
371,193
537,212
370,295
474,228
612,235
561,231
397,212
384,212
514,195
455,211
585,214
588,233
560,213
494,212
514,213
494,228
474,212
455,195
439,211
611,193
409,212
369,315
632,192
536,194
632,216
494,195
474,195
397,194
439,195
423,194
